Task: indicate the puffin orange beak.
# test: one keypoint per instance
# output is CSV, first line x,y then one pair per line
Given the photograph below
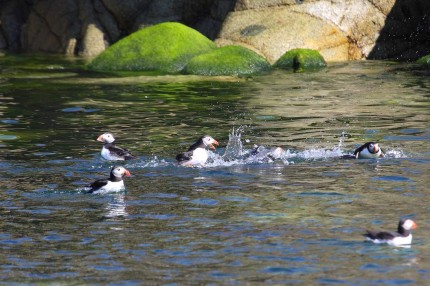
x,y
212,145
100,138
376,148
414,225
127,173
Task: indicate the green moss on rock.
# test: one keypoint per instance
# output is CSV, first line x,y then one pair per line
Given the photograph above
x,y
301,60
227,60
165,47
424,60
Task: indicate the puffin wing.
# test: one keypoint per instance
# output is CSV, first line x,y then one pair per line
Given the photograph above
x,y
184,157
120,152
383,235
359,149
97,185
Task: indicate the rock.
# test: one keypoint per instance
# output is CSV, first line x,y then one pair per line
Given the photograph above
x,y
3,43
86,28
273,31
424,60
52,27
339,30
93,38
165,47
227,60
93,42
13,15
301,60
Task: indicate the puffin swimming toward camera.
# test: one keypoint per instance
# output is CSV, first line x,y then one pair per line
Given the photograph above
x,y
197,154
370,150
114,183
110,151
403,236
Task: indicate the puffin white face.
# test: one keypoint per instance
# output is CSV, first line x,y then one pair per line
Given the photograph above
x,y
409,224
120,172
373,148
106,138
210,142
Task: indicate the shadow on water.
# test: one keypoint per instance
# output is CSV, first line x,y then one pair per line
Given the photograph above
x,y
405,35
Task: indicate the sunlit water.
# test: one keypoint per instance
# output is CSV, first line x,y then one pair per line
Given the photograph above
x,y
296,218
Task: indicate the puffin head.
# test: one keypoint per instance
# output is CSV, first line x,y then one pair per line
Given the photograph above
x,y
119,172
210,142
277,152
373,147
407,224
106,138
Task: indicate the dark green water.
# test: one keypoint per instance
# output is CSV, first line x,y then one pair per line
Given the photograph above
x,y
297,220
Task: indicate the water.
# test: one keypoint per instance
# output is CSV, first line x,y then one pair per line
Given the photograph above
x,y
297,219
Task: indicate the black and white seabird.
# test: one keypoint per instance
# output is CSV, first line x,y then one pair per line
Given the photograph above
x,y
114,183
197,154
110,151
403,236
270,155
370,150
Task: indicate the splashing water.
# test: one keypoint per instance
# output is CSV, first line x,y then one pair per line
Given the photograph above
x,y
236,154
342,139
234,149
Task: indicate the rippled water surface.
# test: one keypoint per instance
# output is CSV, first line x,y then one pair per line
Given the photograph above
x,y
240,219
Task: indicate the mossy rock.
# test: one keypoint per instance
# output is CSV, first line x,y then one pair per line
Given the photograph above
x,y
165,47
301,60
424,60
227,60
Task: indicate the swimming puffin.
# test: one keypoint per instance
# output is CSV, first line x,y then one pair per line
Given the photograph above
x,y
113,184
269,155
197,154
369,150
403,236
110,151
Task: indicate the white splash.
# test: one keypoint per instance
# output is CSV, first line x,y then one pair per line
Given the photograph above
x,y
395,153
234,148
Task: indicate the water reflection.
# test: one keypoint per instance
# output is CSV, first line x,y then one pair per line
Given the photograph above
x,y
117,206
243,219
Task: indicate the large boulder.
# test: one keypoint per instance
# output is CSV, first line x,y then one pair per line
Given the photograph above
x,y
228,60
301,60
274,30
165,47
339,30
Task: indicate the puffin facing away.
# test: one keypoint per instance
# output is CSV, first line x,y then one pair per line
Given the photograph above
x,y
403,236
370,150
269,155
197,154
113,184
110,151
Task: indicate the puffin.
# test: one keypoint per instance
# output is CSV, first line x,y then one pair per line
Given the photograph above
x,y
270,155
110,151
114,183
370,150
197,154
403,236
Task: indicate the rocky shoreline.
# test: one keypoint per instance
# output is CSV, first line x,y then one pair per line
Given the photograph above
x,y
339,30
